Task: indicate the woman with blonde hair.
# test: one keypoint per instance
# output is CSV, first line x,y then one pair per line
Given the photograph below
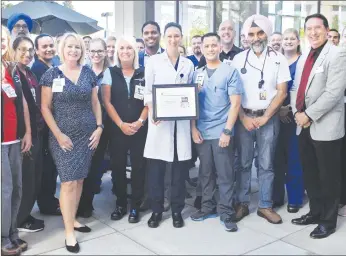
x,y
72,111
287,165
15,139
91,186
122,90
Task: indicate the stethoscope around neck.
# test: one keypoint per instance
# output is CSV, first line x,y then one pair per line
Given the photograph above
x,y
244,70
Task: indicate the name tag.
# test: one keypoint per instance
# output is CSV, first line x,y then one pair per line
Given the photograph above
x,y
58,85
139,92
200,79
8,89
319,70
228,62
263,95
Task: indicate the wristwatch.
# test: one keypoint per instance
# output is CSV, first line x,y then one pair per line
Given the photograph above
x,y
101,126
227,132
142,121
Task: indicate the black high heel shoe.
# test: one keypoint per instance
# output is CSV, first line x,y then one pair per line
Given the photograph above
x,y
83,229
74,249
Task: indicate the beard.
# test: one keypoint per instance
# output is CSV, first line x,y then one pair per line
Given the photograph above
x,y
197,51
259,48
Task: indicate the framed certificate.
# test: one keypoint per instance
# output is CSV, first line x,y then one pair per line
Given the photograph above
x,y
175,102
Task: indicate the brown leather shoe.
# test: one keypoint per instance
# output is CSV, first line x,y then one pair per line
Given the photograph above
x,y
241,210
270,215
10,249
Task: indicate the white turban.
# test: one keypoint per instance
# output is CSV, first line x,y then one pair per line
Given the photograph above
x,y
261,21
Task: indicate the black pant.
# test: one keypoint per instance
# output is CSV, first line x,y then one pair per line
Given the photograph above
x,y
120,144
343,169
31,180
321,172
92,182
156,177
46,199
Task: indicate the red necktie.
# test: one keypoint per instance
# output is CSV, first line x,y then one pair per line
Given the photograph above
x,y
304,81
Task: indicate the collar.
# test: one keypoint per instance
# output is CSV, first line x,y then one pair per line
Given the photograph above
x,y
158,52
319,49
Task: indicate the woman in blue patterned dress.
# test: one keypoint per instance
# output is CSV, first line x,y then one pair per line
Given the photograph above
x,y
71,109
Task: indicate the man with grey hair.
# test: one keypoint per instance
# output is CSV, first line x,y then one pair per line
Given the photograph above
x,y
229,50
265,73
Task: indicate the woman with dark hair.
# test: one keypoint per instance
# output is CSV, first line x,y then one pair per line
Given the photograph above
x,y
182,50
15,139
32,162
286,163
91,186
168,143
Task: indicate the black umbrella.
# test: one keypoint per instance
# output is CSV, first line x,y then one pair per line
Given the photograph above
x,y
53,18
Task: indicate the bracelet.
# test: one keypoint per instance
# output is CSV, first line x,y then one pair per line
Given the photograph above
x,y
121,124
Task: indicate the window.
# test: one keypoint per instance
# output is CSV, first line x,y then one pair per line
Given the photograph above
x,y
335,12
238,11
196,18
164,13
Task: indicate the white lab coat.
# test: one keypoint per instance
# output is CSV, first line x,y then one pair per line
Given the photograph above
x,y
160,139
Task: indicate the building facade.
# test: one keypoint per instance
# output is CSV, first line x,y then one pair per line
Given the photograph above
x,y
199,17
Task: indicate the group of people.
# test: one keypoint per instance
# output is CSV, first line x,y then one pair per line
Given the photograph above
x,y
267,102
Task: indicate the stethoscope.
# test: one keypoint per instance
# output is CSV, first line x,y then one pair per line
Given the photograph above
x,y
244,70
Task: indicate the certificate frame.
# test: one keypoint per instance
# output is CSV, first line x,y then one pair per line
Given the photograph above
x,y
190,89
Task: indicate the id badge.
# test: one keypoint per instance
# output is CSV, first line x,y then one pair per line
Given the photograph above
x,y
33,92
8,89
200,79
228,62
263,95
139,92
58,85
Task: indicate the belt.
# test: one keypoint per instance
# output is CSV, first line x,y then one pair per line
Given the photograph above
x,y
259,112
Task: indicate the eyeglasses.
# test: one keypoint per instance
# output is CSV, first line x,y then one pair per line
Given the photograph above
x,y
23,27
24,50
99,52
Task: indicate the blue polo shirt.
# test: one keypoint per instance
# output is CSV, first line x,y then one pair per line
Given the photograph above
x,y
214,101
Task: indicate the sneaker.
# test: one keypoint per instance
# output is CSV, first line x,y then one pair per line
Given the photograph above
x,y
32,219
342,211
200,216
229,225
10,249
31,227
270,215
241,210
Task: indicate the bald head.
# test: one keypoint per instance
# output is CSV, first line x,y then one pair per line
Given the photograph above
x,y
227,32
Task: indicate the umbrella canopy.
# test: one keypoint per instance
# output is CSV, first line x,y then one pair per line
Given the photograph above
x,y
53,18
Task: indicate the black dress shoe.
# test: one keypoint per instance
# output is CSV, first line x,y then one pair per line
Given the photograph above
x,y
306,219
134,216
178,221
118,213
83,229
74,249
321,231
154,220
291,208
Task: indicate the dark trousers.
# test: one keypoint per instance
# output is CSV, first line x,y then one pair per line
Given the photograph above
x,y
46,199
120,144
287,167
93,181
31,180
321,172
343,168
156,178
216,167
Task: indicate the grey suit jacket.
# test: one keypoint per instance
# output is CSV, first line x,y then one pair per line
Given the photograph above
x,y
324,95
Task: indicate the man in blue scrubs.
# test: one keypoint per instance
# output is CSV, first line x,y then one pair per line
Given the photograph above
x,y
219,103
196,43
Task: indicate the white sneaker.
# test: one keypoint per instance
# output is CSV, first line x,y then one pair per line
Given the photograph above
x,y
342,211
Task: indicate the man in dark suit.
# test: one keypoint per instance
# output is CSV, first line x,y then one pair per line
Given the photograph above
x,y
320,116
